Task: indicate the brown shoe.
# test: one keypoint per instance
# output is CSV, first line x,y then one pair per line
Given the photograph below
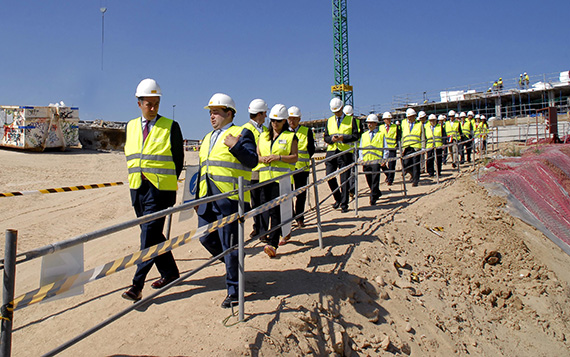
x,y
162,282
133,294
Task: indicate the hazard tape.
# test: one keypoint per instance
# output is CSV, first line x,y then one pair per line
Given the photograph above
x,y
319,158
61,189
50,290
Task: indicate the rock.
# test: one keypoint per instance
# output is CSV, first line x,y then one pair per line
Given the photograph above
x,y
384,295
517,303
524,273
374,316
401,261
408,329
406,349
364,258
390,238
385,343
486,290
338,345
380,281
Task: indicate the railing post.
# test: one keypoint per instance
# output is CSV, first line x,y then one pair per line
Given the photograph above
x,y
168,225
436,162
241,253
356,181
317,202
8,291
403,170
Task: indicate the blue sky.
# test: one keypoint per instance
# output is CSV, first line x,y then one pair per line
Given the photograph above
x,y
281,51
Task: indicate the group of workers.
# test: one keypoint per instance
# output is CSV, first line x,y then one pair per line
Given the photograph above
x,y
418,131
524,81
155,157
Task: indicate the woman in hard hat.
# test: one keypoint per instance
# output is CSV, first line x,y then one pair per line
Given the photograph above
x,y
277,151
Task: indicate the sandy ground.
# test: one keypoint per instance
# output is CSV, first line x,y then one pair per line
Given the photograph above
x,y
383,285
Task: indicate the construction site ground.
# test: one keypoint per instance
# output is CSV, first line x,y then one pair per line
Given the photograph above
x,y
483,284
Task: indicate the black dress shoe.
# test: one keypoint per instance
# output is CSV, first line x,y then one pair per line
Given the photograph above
x,y
162,282
372,202
344,209
336,205
230,301
133,294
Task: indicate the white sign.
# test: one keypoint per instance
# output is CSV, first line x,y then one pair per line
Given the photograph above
x,y
60,265
287,206
190,190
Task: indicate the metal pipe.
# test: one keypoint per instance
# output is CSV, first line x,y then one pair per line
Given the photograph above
x,y
403,170
241,252
8,291
356,183
317,204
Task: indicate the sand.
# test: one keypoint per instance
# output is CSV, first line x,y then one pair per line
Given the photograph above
x,y
383,284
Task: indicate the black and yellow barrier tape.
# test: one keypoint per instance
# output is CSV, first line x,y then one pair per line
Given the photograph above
x,y
50,290
61,189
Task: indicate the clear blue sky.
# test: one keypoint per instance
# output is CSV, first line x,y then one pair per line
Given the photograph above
x,y
281,51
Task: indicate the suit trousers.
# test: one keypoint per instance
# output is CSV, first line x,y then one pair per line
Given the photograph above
x,y
431,159
373,180
412,164
390,167
271,191
339,162
148,199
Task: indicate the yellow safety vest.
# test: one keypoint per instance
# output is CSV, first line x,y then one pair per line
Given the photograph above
x,y
412,138
435,136
280,146
304,160
221,167
452,129
376,142
391,135
256,135
481,131
344,129
467,128
153,158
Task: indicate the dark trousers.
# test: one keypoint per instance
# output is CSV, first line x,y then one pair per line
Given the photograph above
x,y
271,191
465,149
300,179
431,159
412,165
148,199
390,167
373,180
333,165
255,202
222,239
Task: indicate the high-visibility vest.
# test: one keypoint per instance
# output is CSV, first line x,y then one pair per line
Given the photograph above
x,y
304,159
376,142
467,128
153,158
452,129
391,135
221,167
435,136
411,138
280,146
344,129
481,131
256,135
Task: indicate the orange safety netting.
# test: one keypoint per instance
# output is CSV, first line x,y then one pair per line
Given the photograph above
x,y
540,181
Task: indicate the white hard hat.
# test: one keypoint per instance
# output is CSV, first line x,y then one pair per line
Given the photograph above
x,y
257,106
470,113
432,117
462,115
387,115
348,110
451,113
483,117
221,100
421,114
278,112
410,112
477,116
457,115
336,104
372,118
294,112
148,88
525,73
441,117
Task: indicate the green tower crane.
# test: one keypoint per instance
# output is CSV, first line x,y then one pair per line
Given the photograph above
x,y
342,87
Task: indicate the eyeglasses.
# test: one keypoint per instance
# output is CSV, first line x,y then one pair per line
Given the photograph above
x,y
277,120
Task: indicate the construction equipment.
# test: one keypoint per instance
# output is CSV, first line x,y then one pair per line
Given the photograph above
x,y
341,88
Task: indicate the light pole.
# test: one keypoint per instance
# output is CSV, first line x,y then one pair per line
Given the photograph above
x,y
173,106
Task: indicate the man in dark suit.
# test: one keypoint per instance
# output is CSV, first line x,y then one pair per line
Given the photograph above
x,y
226,153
